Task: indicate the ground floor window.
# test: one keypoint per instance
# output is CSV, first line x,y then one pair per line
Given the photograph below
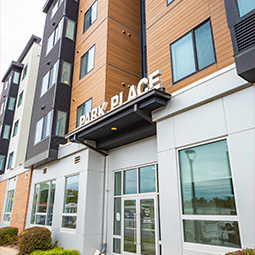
x,y
208,204
42,212
69,215
135,221
8,206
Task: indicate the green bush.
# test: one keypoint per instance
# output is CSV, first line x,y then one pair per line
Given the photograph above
x,y
35,238
8,235
242,252
56,251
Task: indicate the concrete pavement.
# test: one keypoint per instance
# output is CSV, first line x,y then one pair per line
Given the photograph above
x,y
8,251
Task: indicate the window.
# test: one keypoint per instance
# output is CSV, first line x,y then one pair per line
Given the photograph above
x,y
49,79
2,162
208,204
193,52
90,17
83,110
71,200
7,129
55,6
20,98
8,206
70,29
16,77
10,160
61,123
24,73
43,203
11,105
42,129
3,106
7,82
87,62
15,129
55,36
245,6
169,1
66,73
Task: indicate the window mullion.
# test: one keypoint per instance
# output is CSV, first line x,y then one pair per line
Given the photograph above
x,y
195,50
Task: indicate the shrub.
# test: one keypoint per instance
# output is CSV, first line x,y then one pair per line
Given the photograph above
x,y
8,235
242,252
56,251
35,238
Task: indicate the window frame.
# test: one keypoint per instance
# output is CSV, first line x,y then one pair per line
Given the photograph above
x,y
168,2
16,75
58,3
13,100
192,31
64,214
34,211
9,131
2,162
15,128
89,11
65,123
10,160
9,212
82,105
235,218
238,3
24,75
86,55
20,98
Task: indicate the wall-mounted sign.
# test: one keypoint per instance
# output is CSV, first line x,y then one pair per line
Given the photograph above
x,y
152,83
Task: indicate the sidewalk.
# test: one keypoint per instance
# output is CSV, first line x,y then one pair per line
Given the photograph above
x,y
7,251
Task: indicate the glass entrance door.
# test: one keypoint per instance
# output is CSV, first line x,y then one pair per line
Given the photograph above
x,y
140,226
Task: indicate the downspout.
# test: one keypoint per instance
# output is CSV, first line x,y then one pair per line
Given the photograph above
x,y
105,199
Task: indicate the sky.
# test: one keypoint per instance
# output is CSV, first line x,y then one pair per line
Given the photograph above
x,y
19,20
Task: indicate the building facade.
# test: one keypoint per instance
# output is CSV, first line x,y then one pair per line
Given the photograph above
x,y
158,154
18,95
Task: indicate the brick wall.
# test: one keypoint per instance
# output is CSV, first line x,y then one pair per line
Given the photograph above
x,y
19,210
2,194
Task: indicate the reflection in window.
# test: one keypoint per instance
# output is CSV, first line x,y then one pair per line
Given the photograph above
x,y
70,29
15,128
16,77
11,105
206,185
245,6
9,165
61,123
87,62
20,98
8,205
66,73
24,73
71,201
147,179
6,132
2,162
43,203
117,216
90,17
56,4
3,106
83,109
130,182
49,79
192,52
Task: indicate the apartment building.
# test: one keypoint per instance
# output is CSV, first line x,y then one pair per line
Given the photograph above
x,y
158,155
17,95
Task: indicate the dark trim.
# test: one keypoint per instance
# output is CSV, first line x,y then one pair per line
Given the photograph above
x,y
12,66
33,39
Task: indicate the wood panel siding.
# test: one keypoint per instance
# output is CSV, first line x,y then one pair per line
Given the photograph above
x,y
126,13
123,51
170,23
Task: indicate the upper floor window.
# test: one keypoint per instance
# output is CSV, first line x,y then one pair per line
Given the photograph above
x,y
6,133
66,73
55,36
42,212
208,204
24,73
43,127
245,6
20,98
3,106
61,123
55,6
49,78
11,104
15,128
9,165
192,52
2,160
83,109
90,16
70,29
7,82
169,1
16,76
87,62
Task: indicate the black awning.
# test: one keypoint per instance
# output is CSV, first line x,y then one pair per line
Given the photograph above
x,y
132,121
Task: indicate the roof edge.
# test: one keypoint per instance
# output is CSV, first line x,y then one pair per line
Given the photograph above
x,y
12,65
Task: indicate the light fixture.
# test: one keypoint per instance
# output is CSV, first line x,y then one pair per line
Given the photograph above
x,y
113,128
191,154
